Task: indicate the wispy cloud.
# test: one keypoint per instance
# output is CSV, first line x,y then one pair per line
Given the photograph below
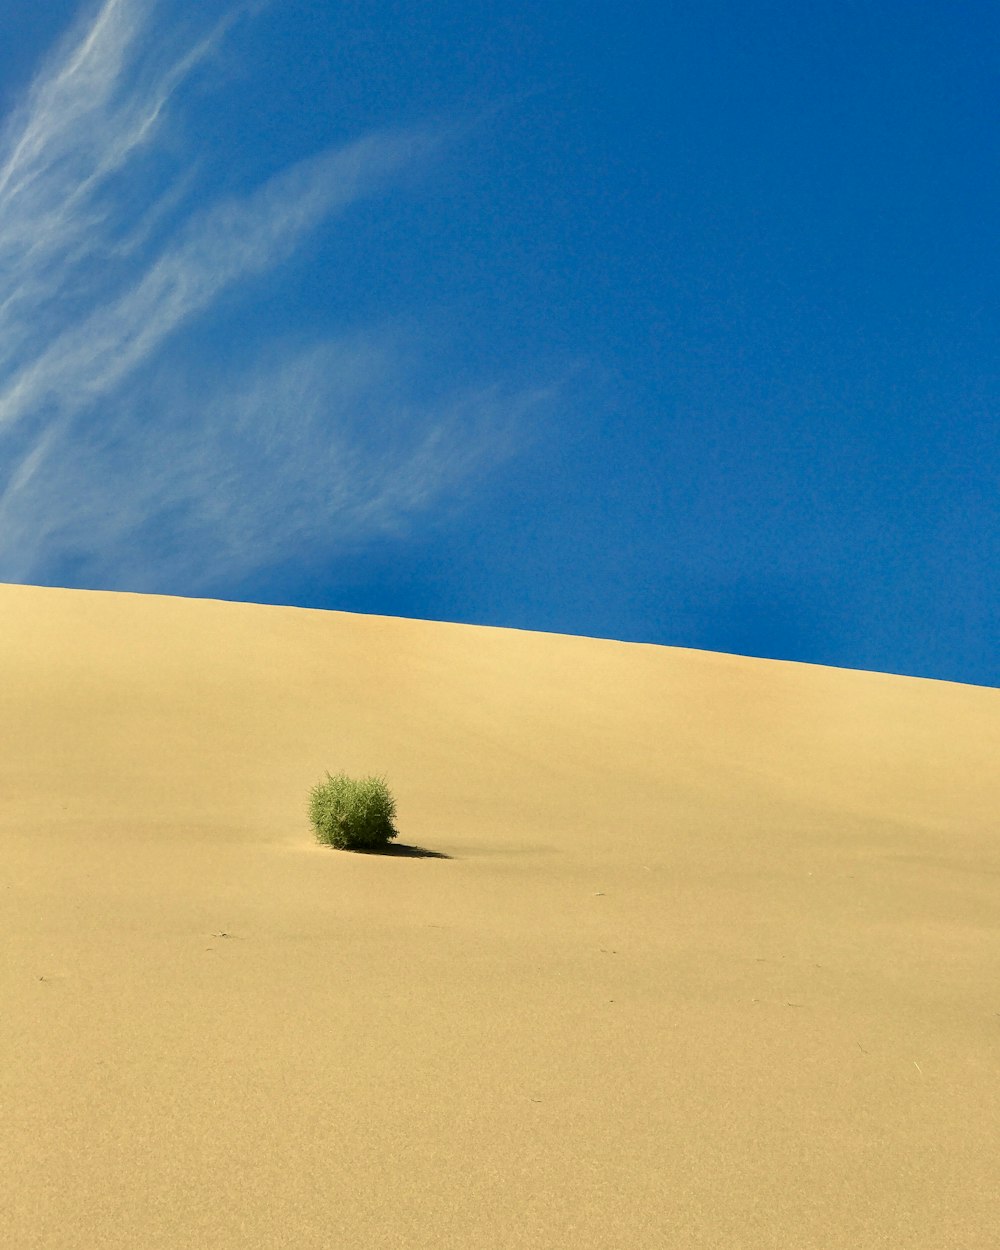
x,y
316,446
216,248
111,465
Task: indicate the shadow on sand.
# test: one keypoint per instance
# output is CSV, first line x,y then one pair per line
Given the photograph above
x,y
403,851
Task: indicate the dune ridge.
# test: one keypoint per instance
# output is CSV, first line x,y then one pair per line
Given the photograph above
x,y
707,954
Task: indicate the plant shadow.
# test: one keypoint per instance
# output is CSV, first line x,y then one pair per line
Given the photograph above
x,y
402,850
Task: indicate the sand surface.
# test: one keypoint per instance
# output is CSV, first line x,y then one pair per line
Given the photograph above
x,y
709,956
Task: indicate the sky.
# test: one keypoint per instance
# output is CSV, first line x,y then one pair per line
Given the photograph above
x,y
662,322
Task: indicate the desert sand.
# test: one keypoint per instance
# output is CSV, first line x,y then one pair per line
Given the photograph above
x,y
707,953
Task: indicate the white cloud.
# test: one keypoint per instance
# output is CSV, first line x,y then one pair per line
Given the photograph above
x,y
316,447
231,240
109,466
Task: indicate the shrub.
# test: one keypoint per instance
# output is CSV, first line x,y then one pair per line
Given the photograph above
x,y
352,815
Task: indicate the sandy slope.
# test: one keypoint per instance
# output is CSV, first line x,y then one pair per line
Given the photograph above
x,y
714,961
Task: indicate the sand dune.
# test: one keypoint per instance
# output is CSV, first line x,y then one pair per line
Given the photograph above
x,y
708,955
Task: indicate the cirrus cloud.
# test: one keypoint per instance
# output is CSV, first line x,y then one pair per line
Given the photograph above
x,y
122,464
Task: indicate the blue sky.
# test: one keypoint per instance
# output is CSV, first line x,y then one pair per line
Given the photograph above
x,y
668,322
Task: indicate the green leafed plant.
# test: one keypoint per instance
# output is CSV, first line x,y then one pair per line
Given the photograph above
x,y
352,815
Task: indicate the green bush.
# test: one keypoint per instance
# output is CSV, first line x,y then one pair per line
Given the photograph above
x,y
352,815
